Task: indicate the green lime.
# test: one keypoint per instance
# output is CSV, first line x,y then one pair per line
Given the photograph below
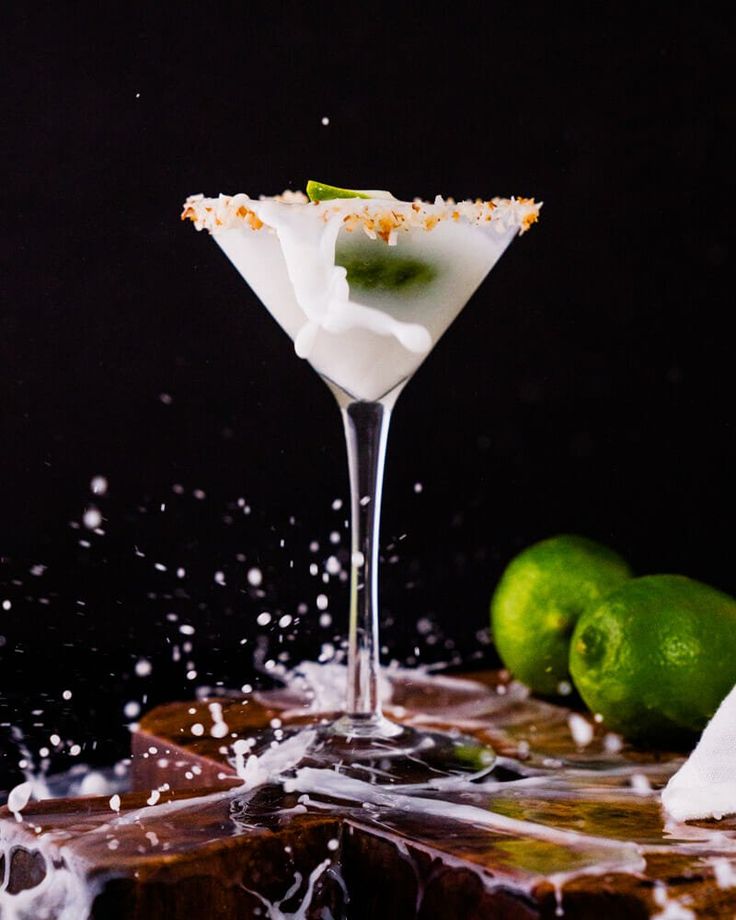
x,y
656,656
540,597
385,270
318,191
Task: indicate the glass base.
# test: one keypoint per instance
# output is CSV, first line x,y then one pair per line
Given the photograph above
x,y
381,752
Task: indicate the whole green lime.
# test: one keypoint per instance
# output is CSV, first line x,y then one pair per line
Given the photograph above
x,y
538,601
656,656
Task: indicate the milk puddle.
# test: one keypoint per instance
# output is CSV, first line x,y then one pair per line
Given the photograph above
x,y
554,809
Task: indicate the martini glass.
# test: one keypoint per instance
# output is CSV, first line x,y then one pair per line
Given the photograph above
x,y
365,286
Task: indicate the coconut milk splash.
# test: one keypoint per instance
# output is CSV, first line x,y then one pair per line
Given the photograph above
x,y
320,286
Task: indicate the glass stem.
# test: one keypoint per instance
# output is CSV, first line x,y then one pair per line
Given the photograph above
x,y
366,430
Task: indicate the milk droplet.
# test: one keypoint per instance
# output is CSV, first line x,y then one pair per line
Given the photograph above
x,y
18,798
580,729
143,667
98,485
92,518
255,577
640,784
724,871
613,743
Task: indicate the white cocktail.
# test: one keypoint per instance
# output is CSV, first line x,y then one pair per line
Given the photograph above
x,y
365,285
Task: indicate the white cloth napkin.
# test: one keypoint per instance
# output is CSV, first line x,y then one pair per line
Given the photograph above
x,y
705,785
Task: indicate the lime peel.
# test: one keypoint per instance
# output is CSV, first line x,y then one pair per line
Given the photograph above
x,y
320,191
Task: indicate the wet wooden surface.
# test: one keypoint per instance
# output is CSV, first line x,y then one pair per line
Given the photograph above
x,y
566,827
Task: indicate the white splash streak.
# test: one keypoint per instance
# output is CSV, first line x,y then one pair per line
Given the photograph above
x,y
273,908
321,287
269,767
671,908
724,872
336,785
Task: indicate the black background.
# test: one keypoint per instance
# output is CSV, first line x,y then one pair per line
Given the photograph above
x,y
586,388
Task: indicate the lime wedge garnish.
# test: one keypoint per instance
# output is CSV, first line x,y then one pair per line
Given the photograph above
x,y
318,191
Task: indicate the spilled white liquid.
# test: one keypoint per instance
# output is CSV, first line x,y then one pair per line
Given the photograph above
x,y
63,894
471,809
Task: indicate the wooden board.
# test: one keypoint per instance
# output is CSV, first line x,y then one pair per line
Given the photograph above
x,y
561,827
